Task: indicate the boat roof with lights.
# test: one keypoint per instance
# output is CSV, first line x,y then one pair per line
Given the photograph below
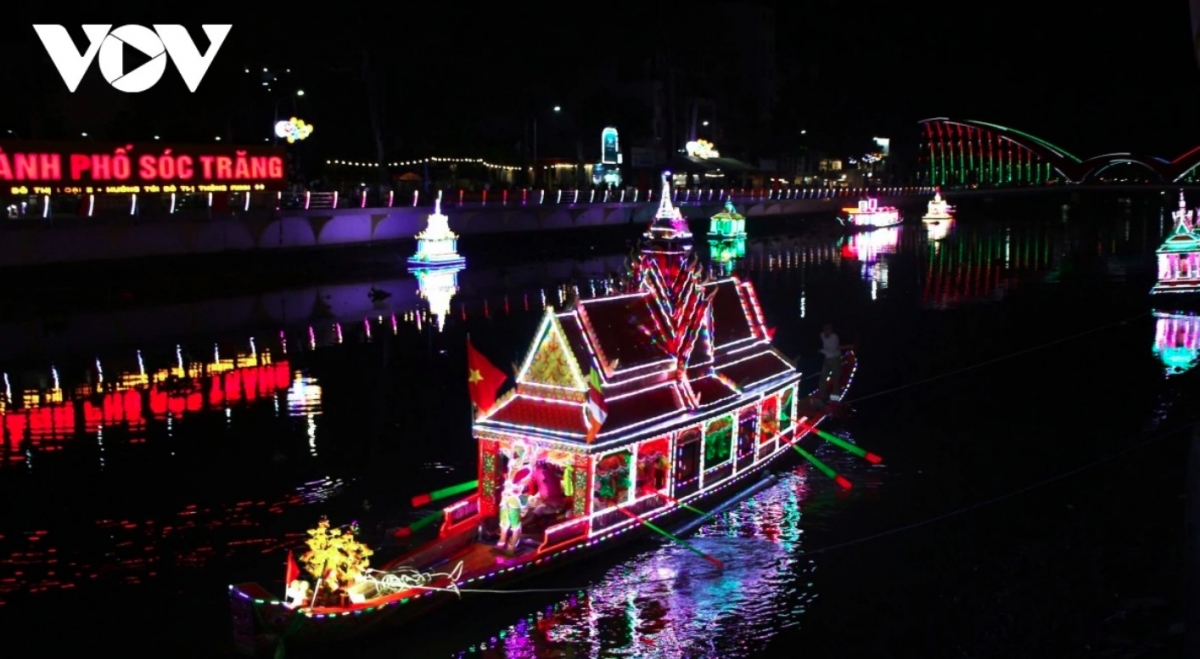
x,y
1182,239
730,213
1185,238
670,348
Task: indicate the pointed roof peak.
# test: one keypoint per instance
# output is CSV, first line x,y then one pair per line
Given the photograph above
x,y
437,204
666,211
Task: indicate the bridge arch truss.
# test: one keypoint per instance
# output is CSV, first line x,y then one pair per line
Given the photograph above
x,y
962,153
959,153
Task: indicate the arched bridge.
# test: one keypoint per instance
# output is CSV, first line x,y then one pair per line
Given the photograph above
x,y
976,152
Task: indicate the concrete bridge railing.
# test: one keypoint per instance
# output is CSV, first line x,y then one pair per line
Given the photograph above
x,y
75,239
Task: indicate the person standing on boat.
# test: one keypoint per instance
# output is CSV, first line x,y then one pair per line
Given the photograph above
x,y
831,369
513,503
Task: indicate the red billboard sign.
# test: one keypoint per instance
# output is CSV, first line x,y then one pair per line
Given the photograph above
x,y
29,167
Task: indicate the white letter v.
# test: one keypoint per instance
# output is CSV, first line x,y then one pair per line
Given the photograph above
x,y
184,53
71,66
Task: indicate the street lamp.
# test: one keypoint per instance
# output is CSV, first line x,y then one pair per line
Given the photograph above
x,y
557,110
299,92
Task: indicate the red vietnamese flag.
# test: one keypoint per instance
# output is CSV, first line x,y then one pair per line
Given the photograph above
x,y
483,379
293,571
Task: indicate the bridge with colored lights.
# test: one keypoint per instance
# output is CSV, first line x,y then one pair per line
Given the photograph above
x,y
969,152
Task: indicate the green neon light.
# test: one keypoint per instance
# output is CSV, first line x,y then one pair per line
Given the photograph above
x,y
426,521
451,491
1036,140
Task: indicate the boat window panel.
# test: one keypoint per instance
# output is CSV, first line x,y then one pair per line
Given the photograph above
x,y
654,461
718,441
612,482
769,421
687,457
787,408
747,428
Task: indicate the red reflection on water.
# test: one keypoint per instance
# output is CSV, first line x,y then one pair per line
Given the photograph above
x,y
129,551
48,420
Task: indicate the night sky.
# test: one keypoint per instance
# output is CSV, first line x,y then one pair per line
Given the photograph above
x,y
458,81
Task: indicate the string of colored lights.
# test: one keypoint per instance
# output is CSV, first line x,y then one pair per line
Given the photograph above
x,y
425,161
997,360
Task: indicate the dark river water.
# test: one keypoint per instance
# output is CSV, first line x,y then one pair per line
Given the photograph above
x,y
163,439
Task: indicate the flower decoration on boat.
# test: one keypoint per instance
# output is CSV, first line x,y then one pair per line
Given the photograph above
x,y
335,557
294,130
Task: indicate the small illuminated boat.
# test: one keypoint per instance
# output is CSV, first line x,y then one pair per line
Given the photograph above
x,y
728,224
1179,256
870,215
938,210
629,410
437,245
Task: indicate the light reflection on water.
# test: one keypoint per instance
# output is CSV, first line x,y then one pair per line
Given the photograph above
x,y
125,406
671,603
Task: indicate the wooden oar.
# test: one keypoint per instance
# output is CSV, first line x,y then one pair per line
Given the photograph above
x,y
701,513
419,524
824,468
843,444
672,538
423,499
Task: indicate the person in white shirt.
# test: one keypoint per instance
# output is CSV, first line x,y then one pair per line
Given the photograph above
x,y
831,369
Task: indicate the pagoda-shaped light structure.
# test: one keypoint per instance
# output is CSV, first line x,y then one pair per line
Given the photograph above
x,y
1179,255
437,245
667,241
1183,216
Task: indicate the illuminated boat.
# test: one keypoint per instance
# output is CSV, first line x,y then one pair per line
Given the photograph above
x,y
437,245
1179,255
1177,341
938,209
698,405
870,215
728,224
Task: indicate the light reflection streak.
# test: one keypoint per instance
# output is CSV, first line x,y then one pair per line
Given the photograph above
x,y
1177,341
672,604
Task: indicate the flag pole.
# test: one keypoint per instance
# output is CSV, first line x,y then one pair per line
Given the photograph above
x,y
471,410
317,588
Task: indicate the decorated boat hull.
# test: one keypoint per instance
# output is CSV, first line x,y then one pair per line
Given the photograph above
x,y
263,623
869,215
456,262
